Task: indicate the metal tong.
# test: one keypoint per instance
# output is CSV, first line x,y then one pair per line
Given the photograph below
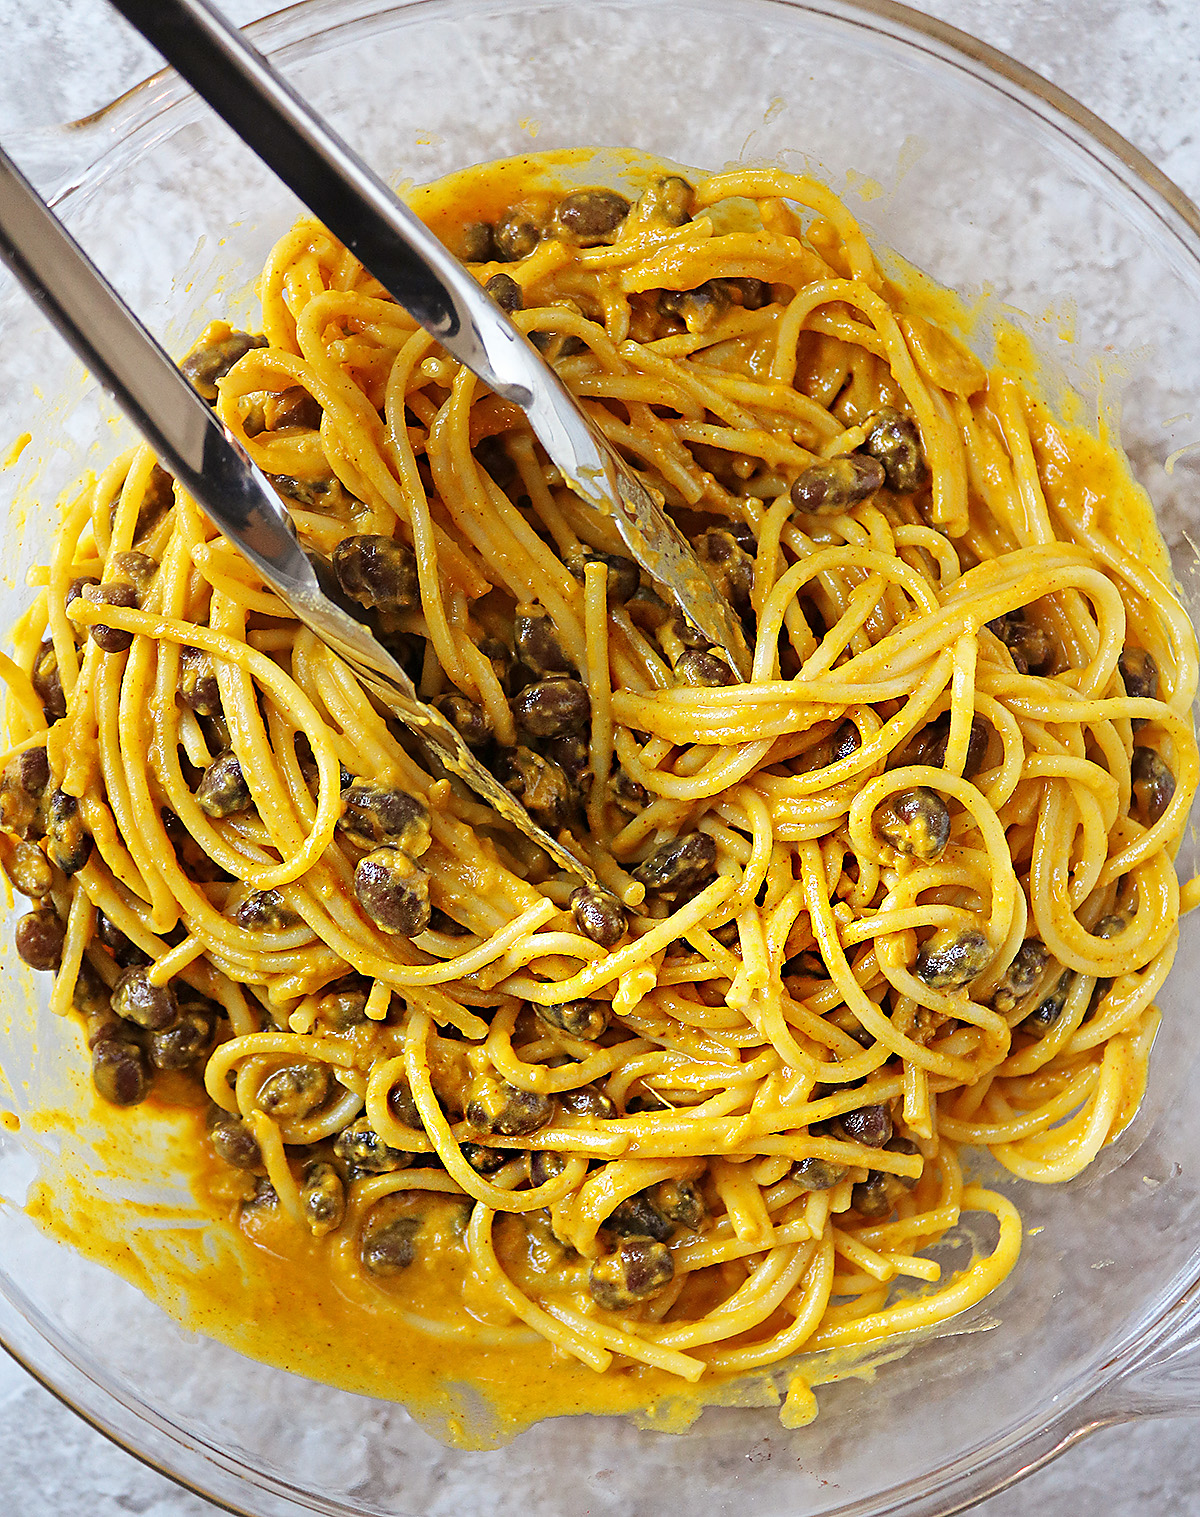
x,y
428,282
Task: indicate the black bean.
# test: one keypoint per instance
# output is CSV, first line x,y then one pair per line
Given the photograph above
x,y
496,1107
537,643
22,784
476,242
123,949
680,1201
40,939
669,198
1111,926
120,1072
69,844
324,493
323,1199
264,911
554,345
233,1142
587,218
844,740
827,489
344,1006
573,756
360,1147
729,566
629,796
389,1248
622,581
158,496
377,571
196,687
953,957
137,569
373,814
599,915
552,707
137,1000
470,721
30,872
698,309
636,1270
1047,1012
500,656
265,1197
705,670
118,592
31,770
484,1160
586,1101
638,1217
1021,976
585,1019
295,1091
520,230
749,293
1139,673
1028,644
90,996
818,1174
915,822
928,746
869,1125
541,1166
1153,785
223,790
894,440
293,407
393,891
101,1025
47,682
402,1106
688,634
78,585
679,867
540,784
870,1197
208,362
506,292
183,1044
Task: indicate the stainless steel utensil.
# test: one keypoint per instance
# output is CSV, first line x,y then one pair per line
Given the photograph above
x,y
188,437
357,207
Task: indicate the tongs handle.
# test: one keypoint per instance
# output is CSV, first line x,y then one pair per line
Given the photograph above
x,y
338,187
413,266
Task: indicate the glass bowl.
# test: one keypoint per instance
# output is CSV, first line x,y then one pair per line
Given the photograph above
x,y
990,181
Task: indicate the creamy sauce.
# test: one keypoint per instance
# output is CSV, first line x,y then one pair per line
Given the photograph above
x,y
264,1286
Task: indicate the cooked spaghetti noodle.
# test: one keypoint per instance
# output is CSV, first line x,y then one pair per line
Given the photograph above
x,y
909,889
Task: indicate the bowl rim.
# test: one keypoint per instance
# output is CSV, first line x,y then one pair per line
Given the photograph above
x,y
1033,1441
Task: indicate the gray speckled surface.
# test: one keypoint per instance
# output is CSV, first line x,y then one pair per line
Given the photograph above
x,y
1136,63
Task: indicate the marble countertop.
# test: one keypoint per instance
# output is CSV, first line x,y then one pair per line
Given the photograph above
x,y
1136,64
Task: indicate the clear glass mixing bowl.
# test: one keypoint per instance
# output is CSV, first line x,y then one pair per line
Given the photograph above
x,y
989,180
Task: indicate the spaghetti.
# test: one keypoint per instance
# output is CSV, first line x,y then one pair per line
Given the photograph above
x,y
909,889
